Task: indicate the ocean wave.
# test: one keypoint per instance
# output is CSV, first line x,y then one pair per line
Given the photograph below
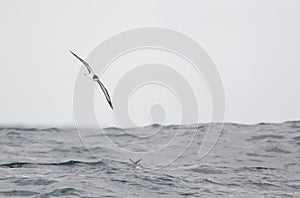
x,y
246,161
67,163
263,137
19,193
61,192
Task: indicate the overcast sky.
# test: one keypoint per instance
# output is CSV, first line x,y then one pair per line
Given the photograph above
x,y
254,44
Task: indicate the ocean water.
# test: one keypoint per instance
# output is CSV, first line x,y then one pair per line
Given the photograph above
x,y
261,160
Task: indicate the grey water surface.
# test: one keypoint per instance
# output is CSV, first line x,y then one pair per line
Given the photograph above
x,y
260,160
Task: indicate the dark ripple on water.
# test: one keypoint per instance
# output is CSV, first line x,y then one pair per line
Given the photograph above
x,y
259,160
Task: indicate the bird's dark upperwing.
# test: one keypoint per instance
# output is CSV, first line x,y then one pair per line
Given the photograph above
x,y
138,161
90,70
131,161
134,162
105,93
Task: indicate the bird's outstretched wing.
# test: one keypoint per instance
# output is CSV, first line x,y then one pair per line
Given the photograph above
x,y
90,70
134,162
105,93
131,160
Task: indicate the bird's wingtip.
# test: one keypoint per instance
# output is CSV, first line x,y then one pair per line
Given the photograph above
x,y
111,106
76,56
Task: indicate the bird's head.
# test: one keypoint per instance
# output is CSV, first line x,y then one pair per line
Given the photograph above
x,y
87,75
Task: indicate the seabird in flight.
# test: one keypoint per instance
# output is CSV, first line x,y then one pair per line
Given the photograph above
x,y
135,163
94,77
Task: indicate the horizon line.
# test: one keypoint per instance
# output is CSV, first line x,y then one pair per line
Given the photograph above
x,y
69,126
